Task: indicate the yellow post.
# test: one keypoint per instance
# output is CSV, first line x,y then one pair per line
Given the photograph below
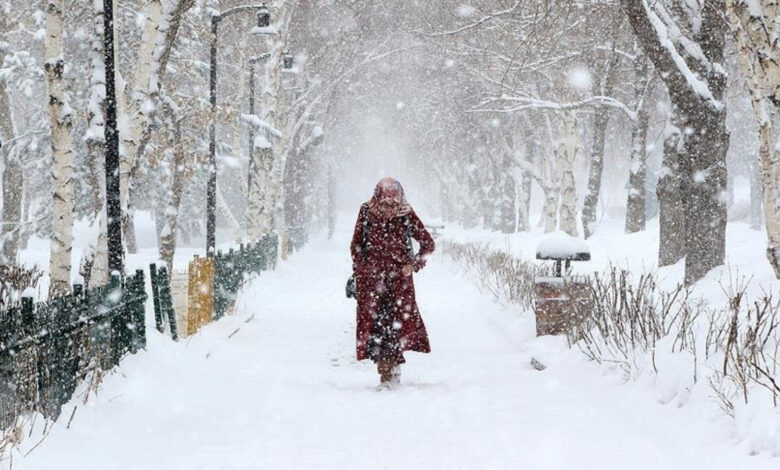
x,y
201,293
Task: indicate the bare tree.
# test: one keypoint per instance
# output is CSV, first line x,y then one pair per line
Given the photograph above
x,y
13,176
635,206
13,182
685,43
603,86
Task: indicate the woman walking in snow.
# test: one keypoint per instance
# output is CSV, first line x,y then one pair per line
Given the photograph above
x,y
383,260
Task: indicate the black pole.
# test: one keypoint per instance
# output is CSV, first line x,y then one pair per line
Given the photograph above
x,y
251,127
211,187
113,209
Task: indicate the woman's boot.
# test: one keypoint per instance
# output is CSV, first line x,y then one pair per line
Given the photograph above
x,y
385,369
395,375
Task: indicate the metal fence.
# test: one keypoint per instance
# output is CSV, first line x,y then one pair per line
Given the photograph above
x,y
48,348
212,288
233,266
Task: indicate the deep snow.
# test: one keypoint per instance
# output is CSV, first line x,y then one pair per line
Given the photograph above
x,y
284,391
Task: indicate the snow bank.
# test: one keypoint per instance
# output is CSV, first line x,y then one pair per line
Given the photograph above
x,y
276,386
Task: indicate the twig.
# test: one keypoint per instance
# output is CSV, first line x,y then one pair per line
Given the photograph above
x,y
72,414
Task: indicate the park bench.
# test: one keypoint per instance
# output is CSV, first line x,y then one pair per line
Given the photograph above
x,y
562,300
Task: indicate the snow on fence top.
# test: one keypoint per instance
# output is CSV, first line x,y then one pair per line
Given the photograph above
x,y
562,246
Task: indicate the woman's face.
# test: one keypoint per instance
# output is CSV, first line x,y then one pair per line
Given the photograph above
x,y
389,207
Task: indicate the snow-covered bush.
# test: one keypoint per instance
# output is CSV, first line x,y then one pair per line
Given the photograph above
x,y
630,318
509,279
745,339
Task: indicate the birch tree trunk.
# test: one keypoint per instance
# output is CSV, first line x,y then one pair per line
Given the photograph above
x,y
97,274
635,205
94,136
13,187
755,32
551,188
567,155
13,176
600,122
227,213
160,32
13,183
756,24
170,229
756,196
331,195
550,180
524,196
507,212
268,168
139,108
62,150
590,204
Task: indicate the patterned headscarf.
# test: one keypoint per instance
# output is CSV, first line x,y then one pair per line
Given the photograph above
x,y
389,190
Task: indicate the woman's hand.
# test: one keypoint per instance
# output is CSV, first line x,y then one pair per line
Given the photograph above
x,y
407,270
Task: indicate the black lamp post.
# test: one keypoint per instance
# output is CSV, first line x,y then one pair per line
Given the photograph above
x,y
263,21
113,209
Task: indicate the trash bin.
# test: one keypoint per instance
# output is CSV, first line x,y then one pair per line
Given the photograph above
x,y
562,300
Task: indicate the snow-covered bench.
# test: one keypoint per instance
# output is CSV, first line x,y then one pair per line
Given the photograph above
x,y
562,247
561,300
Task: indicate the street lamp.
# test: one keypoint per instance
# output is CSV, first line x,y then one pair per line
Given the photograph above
x,y
263,22
263,17
287,59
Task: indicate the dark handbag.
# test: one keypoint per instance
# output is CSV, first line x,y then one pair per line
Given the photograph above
x,y
351,288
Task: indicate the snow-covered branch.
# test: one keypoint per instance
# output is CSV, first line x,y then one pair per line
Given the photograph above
x,y
476,23
524,103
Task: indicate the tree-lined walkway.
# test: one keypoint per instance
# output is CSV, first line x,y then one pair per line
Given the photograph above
x,y
276,386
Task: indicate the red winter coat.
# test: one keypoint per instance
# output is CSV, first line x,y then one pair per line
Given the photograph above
x,y
379,277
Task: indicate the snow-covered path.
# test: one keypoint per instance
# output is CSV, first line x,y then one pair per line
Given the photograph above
x,y
284,391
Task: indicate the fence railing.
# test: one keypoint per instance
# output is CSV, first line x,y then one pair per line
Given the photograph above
x,y
233,266
47,349
213,284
